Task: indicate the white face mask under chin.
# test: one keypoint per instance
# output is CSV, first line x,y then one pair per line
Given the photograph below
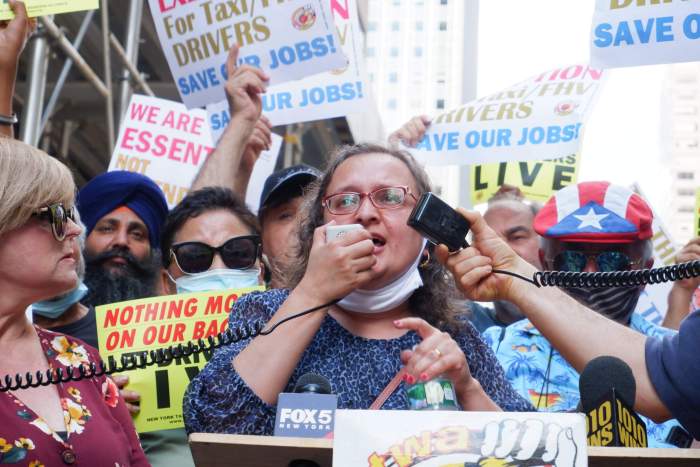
x,y
389,296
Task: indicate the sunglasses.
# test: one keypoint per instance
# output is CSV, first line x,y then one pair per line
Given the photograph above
x,y
236,253
57,215
606,261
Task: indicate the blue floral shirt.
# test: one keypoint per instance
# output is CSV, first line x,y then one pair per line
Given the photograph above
x,y
525,354
219,401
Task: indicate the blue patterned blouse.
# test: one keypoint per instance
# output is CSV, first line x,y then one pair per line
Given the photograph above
x,y
219,401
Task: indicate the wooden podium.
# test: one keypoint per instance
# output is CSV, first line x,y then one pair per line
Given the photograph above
x,y
217,450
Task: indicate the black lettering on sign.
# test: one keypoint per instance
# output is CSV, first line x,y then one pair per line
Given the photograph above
x,y
162,389
478,184
527,177
562,176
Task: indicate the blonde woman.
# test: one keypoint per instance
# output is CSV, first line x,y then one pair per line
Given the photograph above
x,y
79,421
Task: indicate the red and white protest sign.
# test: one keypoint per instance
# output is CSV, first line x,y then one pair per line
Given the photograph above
x,y
164,141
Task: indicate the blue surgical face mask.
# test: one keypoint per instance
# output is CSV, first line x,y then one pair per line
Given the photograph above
x,y
52,309
218,279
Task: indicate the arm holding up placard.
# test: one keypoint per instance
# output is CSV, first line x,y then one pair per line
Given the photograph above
x,y
13,36
246,135
411,132
681,294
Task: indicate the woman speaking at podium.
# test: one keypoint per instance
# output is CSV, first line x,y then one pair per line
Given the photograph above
x,y
398,310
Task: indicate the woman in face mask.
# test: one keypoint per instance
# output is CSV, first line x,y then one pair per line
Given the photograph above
x,y
396,312
210,241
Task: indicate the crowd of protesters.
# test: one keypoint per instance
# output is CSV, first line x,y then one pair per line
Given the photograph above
x,y
392,302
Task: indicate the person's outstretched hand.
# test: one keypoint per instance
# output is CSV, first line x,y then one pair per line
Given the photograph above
x,y
411,132
13,37
244,87
472,267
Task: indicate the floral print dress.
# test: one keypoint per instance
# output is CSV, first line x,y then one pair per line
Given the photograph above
x,y
98,427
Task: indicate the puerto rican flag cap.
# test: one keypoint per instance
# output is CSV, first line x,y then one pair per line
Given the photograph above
x,y
595,212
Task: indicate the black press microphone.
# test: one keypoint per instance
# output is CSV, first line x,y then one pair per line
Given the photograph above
x,y
308,412
608,390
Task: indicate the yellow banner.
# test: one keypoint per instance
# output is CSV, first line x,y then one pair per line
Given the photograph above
x,y
49,7
155,323
696,228
538,180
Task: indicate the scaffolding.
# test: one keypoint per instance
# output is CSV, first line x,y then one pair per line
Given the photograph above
x,y
79,121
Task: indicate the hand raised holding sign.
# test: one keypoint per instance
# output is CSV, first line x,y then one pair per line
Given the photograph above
x,y
411,132
13,36
246,134
243,87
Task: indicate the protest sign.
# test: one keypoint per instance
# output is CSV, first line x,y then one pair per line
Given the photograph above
x,y
165,141
653,302
135,326
393,438
537,180
327,95
633,32
696,216
288,40
48,7
540,118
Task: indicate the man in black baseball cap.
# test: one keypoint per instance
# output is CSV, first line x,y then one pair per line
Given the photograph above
x,y
280,202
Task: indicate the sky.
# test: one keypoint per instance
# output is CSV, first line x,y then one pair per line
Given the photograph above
x,y
519,39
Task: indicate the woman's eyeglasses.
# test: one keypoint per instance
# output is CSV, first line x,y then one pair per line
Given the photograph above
x,y
236,253
58,216
606,261
391,197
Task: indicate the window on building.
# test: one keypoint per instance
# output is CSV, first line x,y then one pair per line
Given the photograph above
x,y
393,77
442,26
685,143
372,26
686,192
685,176
419,26
394,52
371,77
440,104
395,26
418,51
370,52
391,104
443,2
686,209
685,110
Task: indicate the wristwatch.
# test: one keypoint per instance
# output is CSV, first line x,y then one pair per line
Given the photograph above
x,y
8,120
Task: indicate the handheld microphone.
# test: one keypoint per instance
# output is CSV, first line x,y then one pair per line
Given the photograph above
x,y
308,412
608,390
311,383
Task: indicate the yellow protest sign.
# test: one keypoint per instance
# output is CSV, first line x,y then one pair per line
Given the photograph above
x,y
537,180
49,7
153,323
696,228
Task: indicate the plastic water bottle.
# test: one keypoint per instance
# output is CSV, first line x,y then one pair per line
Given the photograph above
x,y
435,394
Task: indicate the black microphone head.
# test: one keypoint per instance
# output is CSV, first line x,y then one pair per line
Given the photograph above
x,y
313,383
603,374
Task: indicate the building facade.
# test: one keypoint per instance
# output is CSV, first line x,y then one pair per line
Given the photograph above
x,y
421,59
681,146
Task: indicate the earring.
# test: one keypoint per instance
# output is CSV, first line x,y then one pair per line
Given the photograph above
x,y
424,264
